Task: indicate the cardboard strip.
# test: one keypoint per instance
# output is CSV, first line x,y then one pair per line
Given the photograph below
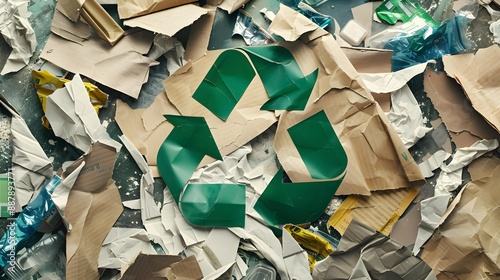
x,y
102,23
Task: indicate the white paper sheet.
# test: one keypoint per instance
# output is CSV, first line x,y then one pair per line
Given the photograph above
x,y
389,82
171,48
265,241
73,118
432,210
122,245
434,162
18,33
406,116
30,164
295,258
451,175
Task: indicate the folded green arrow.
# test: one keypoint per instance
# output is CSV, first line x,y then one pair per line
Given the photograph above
x,y
225,83
295,203
232,73
177,159
280,73
325,159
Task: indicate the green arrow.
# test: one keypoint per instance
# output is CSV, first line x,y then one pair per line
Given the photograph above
x,y
225,83
214,204
178,157
319,147
183,150
280,73
294,203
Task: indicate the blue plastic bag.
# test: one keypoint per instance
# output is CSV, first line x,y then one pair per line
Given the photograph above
x,y
428,43
28,221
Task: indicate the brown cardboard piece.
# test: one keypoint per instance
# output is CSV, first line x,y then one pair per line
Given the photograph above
x,y
170,21
102,23
71,8
363,129
232,5
368,60
405,230
199,35
478,77
290,25
151,267
134,8
146,128
466,125
74,31
94,205
380,211
465,246
122,67
363,15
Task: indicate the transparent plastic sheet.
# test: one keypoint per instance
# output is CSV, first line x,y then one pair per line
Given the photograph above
x,y
303,8
429,43
251,32
28,221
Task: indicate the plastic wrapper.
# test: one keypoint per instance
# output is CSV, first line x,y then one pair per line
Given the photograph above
x,y
317,247
29,220
251,32
320,19
415,42
46,83
404,11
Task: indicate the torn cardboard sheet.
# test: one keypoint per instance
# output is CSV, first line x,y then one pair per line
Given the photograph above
x,y
73,118
134,8
362,14
61,193
94,205
17,33
433,162
389,82
476,73
122,67
168,22
380,210
432,210
290,25
364,253
368,60
451,175
146,128
71,8
163,267
465,246
31,164
405,229
466,125
102,23
199,36
232,5
122,245
406,116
